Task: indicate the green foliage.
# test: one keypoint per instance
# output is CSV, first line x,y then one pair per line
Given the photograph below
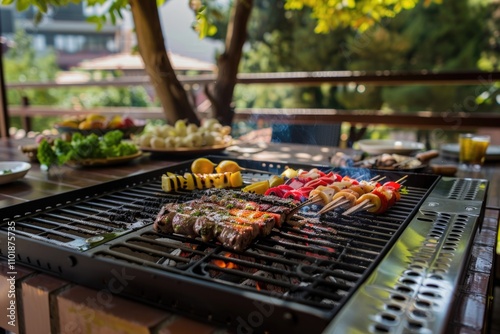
x,y
281,41
112,9
357,14
448,37
46,155
22,64
210,18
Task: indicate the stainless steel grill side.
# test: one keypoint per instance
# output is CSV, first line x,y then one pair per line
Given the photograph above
x,y
413,288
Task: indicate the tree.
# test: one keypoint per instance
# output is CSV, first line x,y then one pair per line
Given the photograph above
x,y
449,37
359,14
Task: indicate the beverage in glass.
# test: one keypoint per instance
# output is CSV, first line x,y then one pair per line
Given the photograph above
x,y
472,152
479,145
465,151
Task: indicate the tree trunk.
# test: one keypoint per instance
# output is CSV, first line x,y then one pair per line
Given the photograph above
x,y
228,62
169,90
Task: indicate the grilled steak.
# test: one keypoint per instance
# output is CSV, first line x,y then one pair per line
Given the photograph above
x,y
220,215
226,229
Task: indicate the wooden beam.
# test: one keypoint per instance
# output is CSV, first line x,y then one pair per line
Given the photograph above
x,y
421,120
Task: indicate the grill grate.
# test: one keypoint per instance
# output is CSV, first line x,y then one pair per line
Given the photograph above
x,y
304,273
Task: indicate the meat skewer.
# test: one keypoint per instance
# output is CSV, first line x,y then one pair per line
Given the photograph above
x,y
377,201
232,232
326,194
263,221
346,183
279,212
345,196
219,215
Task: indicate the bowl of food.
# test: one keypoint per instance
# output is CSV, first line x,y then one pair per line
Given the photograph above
x,y
99,124
13,170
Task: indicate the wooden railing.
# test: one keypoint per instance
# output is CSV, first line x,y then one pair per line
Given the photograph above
x,y
421,120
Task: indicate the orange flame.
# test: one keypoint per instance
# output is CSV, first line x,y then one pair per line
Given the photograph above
x,y
224,264
220,263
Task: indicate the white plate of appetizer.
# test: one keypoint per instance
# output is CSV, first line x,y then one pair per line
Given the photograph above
x,y
13,170
187,150
390,146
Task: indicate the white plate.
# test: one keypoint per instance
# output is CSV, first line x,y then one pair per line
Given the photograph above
x,y
187,150
390,146
18,170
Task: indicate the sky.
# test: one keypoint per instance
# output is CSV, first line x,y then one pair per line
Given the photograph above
x,y
176,19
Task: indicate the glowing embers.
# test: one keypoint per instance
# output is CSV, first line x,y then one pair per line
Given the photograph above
x,y
225,263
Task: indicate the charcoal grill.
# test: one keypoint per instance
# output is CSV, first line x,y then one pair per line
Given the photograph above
x,y
394,272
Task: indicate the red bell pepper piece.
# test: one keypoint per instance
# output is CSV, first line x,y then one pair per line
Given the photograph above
x,y
274,191
384,204
284,187
295,194
305,191
295,183
334,176
392,184
316,183
327,179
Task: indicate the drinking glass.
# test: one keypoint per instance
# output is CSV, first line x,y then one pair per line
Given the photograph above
x,y
472,151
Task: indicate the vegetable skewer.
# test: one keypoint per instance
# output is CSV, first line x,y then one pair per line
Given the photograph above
x,y
330,193
377,201
347,196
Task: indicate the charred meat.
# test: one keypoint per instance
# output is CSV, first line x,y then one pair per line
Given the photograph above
x,y
234,222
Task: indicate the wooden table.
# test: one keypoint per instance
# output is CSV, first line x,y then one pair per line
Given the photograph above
x,y
55,298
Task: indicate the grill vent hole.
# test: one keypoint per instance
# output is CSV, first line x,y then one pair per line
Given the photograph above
x,y
419,314
381,329
423,304
408,281
417,266
412,273
404,289
388,317
430,294
414,325
437,277
398,298
394,307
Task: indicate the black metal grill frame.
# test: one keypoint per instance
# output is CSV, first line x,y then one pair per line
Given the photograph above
x,y
95,262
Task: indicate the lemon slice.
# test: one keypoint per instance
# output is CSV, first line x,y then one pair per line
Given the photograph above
x,y
202,166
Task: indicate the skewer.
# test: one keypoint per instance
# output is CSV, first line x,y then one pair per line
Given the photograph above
x,y
341,201
331,205
361,206
401,179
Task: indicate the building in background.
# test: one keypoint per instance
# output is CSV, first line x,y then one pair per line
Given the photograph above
x,y
66,31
